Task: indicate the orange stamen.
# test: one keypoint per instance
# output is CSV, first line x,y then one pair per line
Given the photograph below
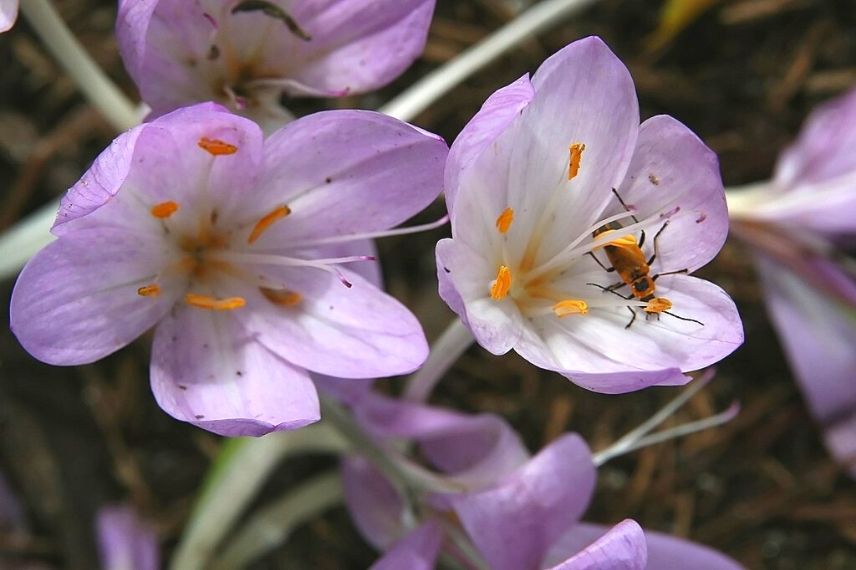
x,y
499,288
570,307
576,156
217,147
267,221
213,304
164,209
281,297
152,290
658,305
503,222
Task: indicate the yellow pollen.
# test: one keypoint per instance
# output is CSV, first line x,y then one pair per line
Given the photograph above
x,y
152,290
499,288
214,304
576,156
217,147
281,297
658,305
505,219
628,240
164,209
267,221
570,307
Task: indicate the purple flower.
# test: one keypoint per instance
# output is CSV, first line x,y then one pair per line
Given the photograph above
x,y
8,14
804,233
233,247
535,185
125,542
520,512
246,53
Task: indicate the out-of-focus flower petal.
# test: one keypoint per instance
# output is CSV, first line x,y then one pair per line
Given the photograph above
x,y
622,547
181,52
417,551
207,369
818,336
344,172
125,542
76,301
493,118
673,169
8,14
358,45
664,552
514,522
476,449
378,510
349,332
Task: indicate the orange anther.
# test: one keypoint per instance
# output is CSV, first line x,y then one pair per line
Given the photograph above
x,y
152,290
499,288
217,147
658,305
503,222
570,307
576,156
214,304
164,209
281,297
267,221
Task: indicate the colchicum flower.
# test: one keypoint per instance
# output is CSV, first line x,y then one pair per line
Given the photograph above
x,y
246,53
803,229
520,512
574,229
8,14
233,246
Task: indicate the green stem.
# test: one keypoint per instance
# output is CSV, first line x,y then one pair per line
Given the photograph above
x,y
445,351
88,76
241,469
273,525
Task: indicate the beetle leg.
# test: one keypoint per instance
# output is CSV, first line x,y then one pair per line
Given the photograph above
x,y
605,268
632,319
656,242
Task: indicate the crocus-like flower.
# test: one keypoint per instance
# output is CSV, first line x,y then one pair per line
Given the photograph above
x,y
245,53
520,512
124,541
232,245
803,228
573,230
8,14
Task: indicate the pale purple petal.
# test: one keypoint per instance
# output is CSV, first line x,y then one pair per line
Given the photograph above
x,y
125,542
818,336
674,173
207,369
345,172
622,547
417,551
100,182
584,95
514,523
664,552
8,14
493,118
357,45
349,332
459,268
376,507
163,161
820,153
76,301
474,448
